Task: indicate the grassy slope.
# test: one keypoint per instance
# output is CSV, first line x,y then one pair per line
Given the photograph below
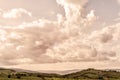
x,y
89,74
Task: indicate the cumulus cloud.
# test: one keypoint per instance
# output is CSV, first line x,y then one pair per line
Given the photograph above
x,y
15,16
48,44
16,13
74,12
107,39
64,40
28,42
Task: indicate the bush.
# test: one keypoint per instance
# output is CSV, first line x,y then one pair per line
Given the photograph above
x,y
9,76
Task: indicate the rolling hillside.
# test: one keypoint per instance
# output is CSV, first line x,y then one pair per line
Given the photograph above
x,y
94,74
89,74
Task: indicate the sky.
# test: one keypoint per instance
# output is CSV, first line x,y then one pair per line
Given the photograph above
x,y
60,34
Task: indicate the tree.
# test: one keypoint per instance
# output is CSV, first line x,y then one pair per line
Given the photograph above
x,y
18,76
101,78
9,76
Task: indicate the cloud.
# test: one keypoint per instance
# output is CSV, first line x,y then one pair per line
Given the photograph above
x,y
16,13
47,44
28,42
63,40
107,39
79,52
73,10
15,17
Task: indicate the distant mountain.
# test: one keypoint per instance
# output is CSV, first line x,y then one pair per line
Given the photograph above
x,y
53,71
60,72
23,70
6,71
47,71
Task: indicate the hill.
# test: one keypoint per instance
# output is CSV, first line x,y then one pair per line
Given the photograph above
x,y
95,74
88,74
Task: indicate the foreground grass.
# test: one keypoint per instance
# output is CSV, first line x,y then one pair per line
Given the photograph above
x,y
77,79
36,78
